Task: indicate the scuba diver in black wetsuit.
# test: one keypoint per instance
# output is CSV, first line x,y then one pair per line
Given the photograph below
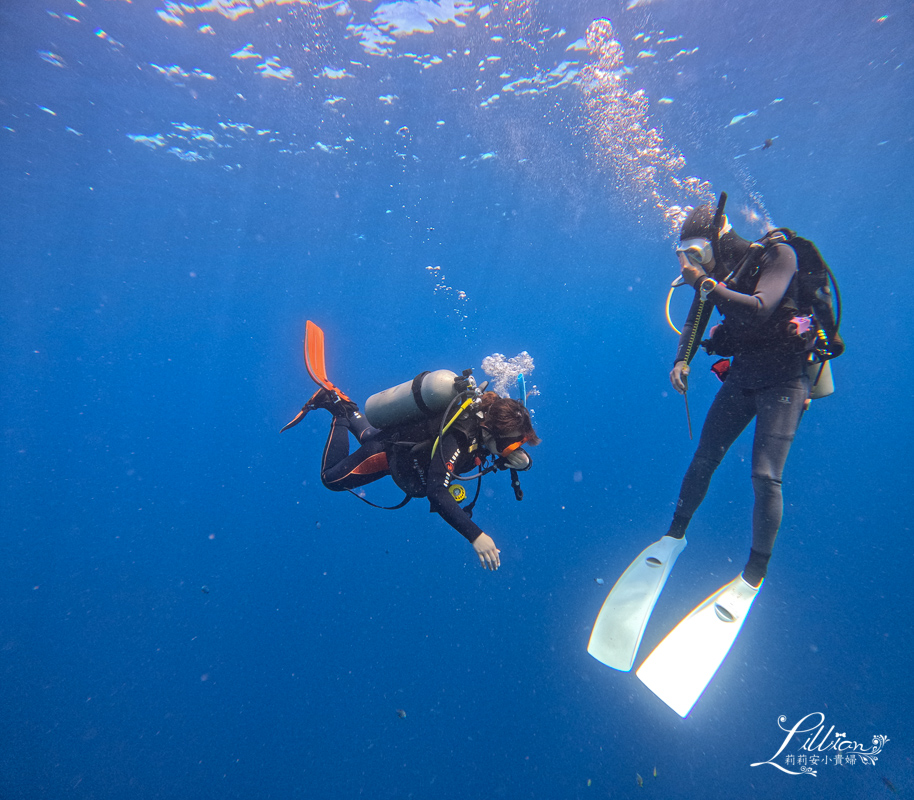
x,y
436,428
781,329
498,427
767,379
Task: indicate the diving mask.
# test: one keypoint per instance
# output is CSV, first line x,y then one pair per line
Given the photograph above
x,y
508,448
698,251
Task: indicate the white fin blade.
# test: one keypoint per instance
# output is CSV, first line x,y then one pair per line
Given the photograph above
x,y
621,622
683,664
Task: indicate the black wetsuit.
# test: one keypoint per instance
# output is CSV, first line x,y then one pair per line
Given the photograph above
x,y
767,380
461,447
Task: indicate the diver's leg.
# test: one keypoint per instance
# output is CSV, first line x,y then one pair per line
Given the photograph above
x,y
337,447
730,413
779,412
359,426
356,423
341,471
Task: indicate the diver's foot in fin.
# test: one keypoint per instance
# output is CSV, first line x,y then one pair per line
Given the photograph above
x,y
683,664
335,404
622,619
339,406
328,396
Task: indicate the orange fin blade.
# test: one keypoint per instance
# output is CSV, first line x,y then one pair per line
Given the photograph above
x,y
314,358
298,418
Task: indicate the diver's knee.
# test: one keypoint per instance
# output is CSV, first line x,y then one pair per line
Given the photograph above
x,y
765,483
705,461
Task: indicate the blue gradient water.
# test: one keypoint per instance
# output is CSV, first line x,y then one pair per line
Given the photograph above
x,y
188,613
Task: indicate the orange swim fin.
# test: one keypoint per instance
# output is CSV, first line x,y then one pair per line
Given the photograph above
x,y
314,358
298,418
317,369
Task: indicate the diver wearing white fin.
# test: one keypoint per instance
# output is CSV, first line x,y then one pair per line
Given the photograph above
x,y
756,290
620,624
778,322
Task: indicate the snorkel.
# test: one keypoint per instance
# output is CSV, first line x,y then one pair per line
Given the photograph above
x,y
715,228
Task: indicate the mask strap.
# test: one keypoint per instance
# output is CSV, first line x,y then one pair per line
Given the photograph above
x,y
514,445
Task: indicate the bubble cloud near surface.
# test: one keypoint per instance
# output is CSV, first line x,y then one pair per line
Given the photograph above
x,y
504,371
321,83
646,169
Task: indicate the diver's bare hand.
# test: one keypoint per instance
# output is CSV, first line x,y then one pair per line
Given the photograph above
x,y
691,274
487,551
679,377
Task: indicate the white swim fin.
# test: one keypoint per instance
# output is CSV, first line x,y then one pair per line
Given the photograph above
x,y
621,622
683,664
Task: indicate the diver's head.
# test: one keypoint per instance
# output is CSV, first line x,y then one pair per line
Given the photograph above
x,y
506,426
696,234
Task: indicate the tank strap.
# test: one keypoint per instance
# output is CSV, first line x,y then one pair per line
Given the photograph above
x,y
417,394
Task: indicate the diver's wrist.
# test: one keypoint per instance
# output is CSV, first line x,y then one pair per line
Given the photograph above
x,y
706,286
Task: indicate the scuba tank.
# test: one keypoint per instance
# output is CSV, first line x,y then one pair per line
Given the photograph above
x,y
426,395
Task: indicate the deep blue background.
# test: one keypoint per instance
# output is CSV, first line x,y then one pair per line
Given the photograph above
x,y
152,314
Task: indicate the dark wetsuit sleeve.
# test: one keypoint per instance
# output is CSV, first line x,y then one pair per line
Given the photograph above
x,y
692,322
439,479
777,268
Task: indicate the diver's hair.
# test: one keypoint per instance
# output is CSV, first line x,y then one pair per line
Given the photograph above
x,y
699,223
504,415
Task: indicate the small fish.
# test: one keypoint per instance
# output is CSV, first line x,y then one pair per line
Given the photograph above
x,y
639,780
204,589
768,143
655,772
888,783
598,581
401,713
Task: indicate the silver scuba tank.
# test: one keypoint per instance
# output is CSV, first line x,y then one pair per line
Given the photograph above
x,y
427,394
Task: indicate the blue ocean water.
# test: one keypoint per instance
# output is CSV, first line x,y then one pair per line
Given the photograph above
x,y
188,613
